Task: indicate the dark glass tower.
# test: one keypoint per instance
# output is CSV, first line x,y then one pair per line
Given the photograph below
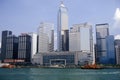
x,y
102,30
12,47
110,49
65,41
24,48
4,43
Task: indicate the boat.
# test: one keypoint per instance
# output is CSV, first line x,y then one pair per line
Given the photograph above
x,y
57,66
6,65
91,66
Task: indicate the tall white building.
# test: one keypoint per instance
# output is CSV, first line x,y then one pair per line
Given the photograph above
x,y
62,29
33,44
81,39
46,37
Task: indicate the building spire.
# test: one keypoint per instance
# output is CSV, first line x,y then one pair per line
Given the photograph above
x,y
61,2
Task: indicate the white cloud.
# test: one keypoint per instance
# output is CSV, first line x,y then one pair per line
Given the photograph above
x,y
117,37
117,19
117,14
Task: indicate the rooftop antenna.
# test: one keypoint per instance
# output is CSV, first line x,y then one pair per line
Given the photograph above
x,y
61,1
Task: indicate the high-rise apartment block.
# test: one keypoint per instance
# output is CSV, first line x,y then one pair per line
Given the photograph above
x,y
4,43
62,29
46,37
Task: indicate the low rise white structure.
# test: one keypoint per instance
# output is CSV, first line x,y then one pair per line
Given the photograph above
x,y
65,58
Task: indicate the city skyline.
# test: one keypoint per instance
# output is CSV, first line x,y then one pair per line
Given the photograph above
x,y
16,15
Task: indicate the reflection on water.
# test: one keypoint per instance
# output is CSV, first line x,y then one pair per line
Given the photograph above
x,y
59,74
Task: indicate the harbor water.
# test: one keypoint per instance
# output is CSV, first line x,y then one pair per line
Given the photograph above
x,y
58,74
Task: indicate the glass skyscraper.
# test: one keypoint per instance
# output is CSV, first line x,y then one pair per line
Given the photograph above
x,y
105,45
12,47
4,42
62,29
24,47
110,49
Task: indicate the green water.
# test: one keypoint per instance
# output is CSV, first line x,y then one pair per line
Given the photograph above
x,y
59,74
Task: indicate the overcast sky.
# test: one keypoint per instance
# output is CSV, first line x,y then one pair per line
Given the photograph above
x,y
25,15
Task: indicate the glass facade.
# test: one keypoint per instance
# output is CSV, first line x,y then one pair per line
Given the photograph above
x,y
62,29
12,47
102,30
24,47
58,59
4,42
110,49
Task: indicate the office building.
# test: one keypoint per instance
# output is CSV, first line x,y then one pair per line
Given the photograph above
x,y
62,58
46,37
0,54
0,51
4,42
11,48
117,51
81,39
24,47
62,29
102,31
33,44
110,49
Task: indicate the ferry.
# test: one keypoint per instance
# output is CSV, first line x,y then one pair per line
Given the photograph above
x,y
6,65
91,66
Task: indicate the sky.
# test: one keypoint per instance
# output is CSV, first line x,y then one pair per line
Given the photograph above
x,y
22,16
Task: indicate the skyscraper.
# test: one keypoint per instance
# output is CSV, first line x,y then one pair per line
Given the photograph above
x,y
80,38
62,29
46,37
12,47
117,51
24,47
110,49
102,31
4,42
33,44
